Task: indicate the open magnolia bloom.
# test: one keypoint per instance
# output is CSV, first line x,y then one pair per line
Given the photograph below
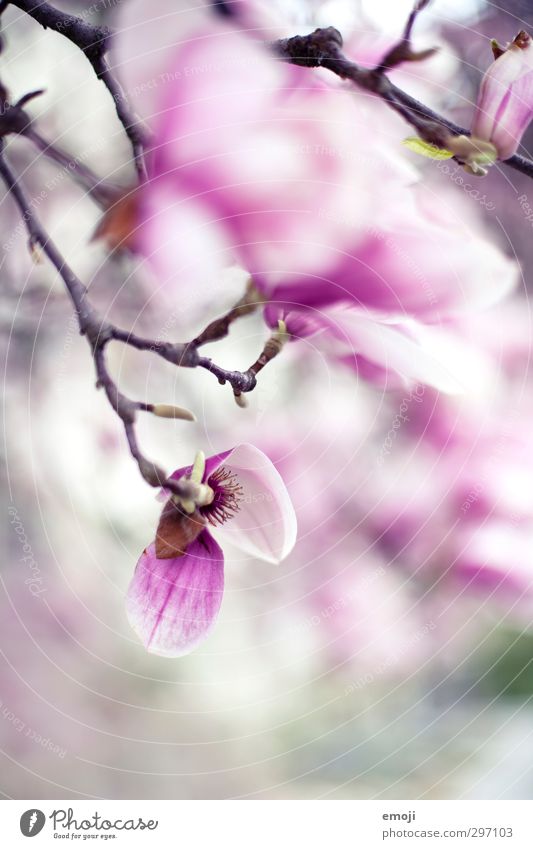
x,y
176,591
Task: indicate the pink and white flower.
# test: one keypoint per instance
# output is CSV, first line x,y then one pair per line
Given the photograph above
x,y
264,163
301,184
391,353
505,103
176,592
421,259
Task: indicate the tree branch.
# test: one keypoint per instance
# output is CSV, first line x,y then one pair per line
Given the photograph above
x,y
246,381
239,381
94,42
100,332
322,49
219,328
126,118
103,194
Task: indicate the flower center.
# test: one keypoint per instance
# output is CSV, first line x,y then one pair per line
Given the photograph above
x,y
228,494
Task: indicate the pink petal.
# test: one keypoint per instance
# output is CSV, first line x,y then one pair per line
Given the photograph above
x,y
173,604
427,354
496,554
514,116
147,37
418,261
211,465
265,525
200,108
198,255
505,101
246,136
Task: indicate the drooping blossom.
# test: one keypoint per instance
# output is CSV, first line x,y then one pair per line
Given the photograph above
x,y
315,206
176,592
253,161
505,102
303,185
389,352
420,258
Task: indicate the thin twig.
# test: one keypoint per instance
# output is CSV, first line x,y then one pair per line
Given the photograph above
x,y
219,328
94,42
15,120
97,330
125,116
402,51
100,332
103,194
246,381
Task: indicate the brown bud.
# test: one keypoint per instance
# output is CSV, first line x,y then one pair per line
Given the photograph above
x,y
118,225
522,40
497,49
176,530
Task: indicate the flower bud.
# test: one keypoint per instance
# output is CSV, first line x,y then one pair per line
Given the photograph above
x,y
505,102
169,411
474,154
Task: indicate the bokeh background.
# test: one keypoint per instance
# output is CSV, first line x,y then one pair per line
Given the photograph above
x,y
390,656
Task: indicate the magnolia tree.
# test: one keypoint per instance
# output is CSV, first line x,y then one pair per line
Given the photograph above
x,y
270,158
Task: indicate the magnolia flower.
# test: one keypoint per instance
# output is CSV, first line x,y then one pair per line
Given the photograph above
x,y
391,353
262,164
505,103
399,310
255,162
420,259
176,592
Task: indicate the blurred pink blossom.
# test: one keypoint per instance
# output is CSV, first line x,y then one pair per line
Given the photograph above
x,y
277,161
391,353
299,182
453,494
423,257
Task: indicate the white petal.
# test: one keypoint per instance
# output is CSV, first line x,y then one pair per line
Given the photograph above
x,y
265,524
428,354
